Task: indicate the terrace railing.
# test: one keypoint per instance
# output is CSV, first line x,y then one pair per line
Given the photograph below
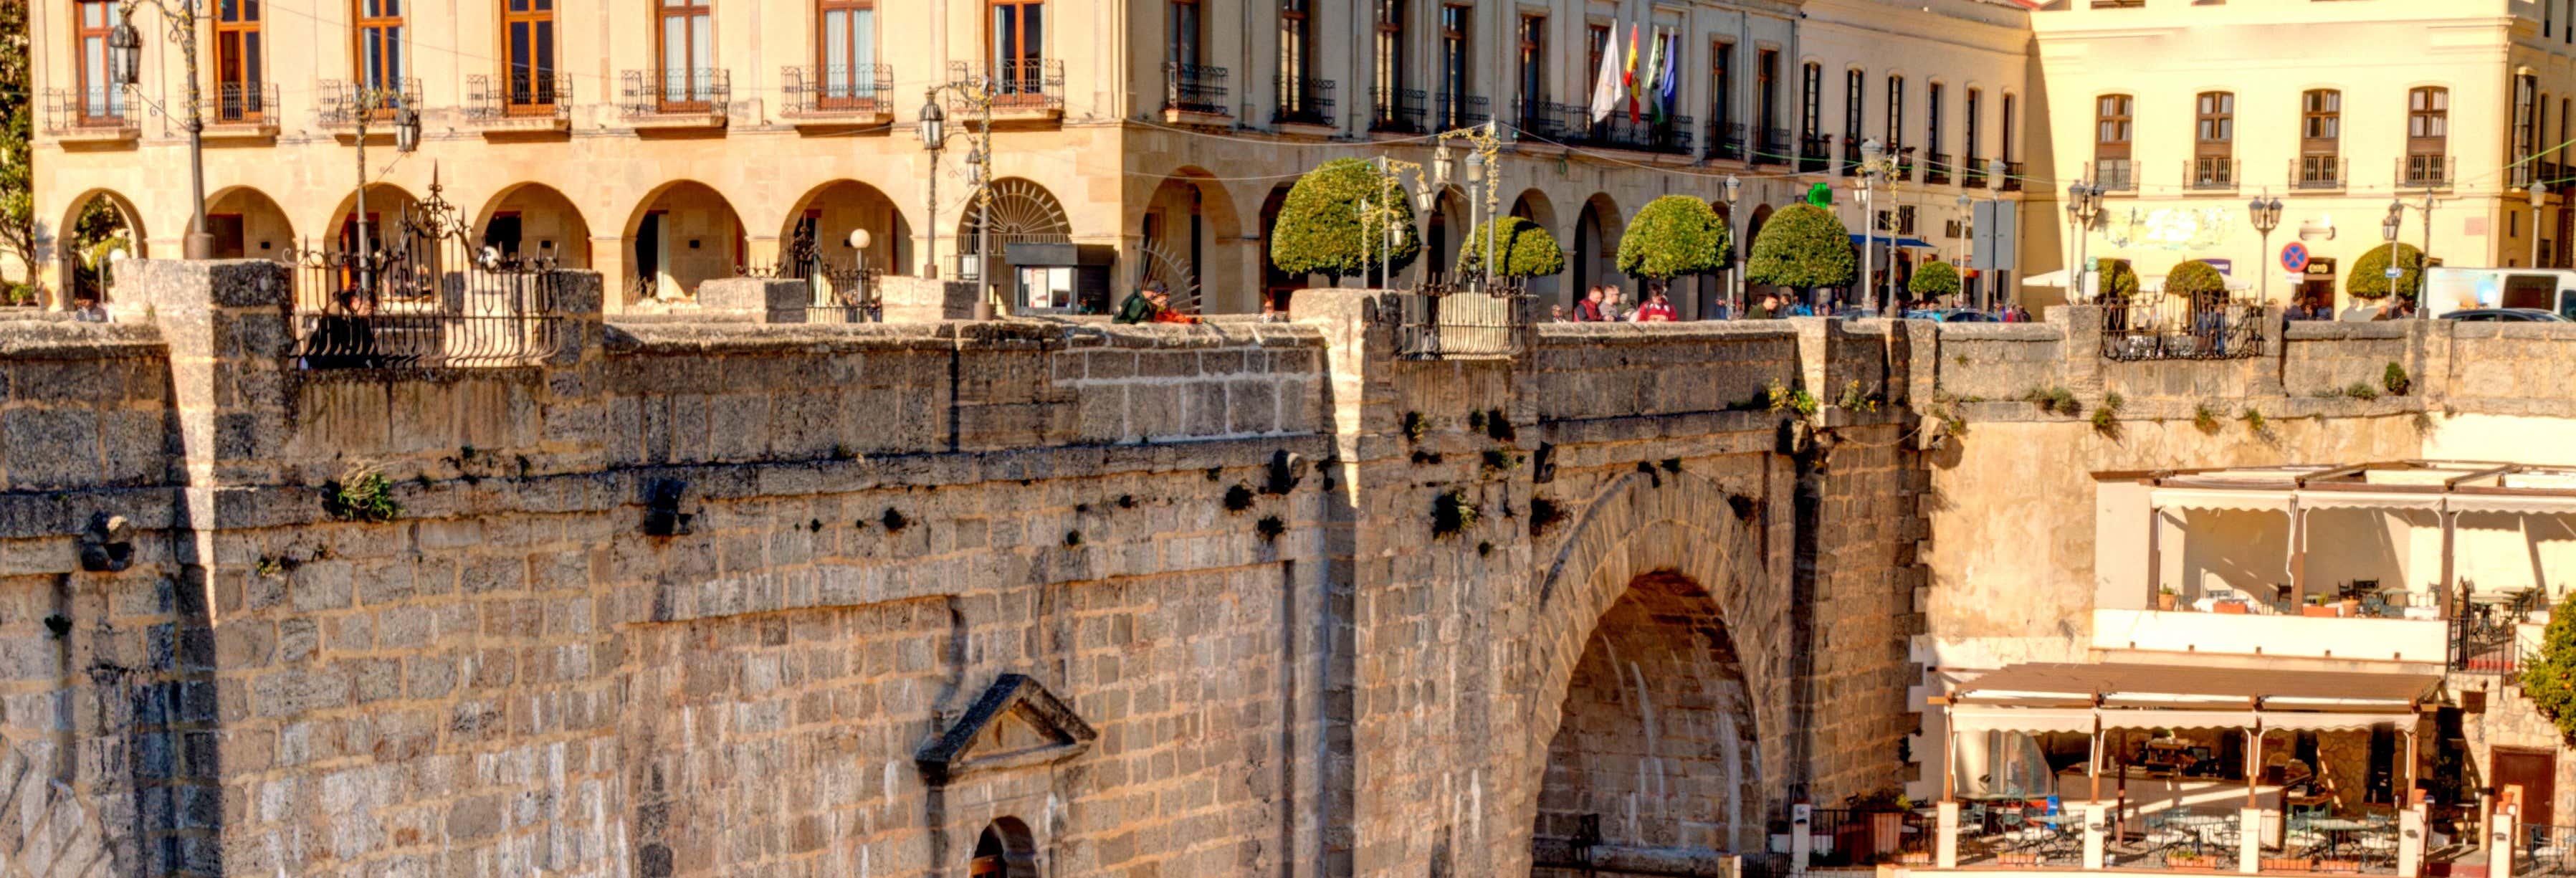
x,y
424,296
2155,326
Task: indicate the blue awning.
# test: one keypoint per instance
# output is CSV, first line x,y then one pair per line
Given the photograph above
x,y
1901,242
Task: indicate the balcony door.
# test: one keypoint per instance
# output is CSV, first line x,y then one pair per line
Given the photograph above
x,y
846,59
528,35
687,56
381,56
1018,41
101,98
239,47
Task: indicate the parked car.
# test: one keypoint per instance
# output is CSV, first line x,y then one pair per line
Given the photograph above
x,y
2505,315
1952,315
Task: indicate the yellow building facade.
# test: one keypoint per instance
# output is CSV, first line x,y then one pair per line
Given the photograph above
x,y
667,144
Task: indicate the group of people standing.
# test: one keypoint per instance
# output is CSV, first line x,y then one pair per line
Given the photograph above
x,y
1601,304
1604,304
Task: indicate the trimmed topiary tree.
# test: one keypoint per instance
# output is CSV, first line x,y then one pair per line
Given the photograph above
x,y
1523,248
1803,246
1932,279
2368,277
2119,281
2549,678
1319,229
2196,280
1673,236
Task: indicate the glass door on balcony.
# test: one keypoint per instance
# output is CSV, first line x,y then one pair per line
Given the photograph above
x,y
2428,136
687,56
528,28
238,50
1455,87
2213,140
1018,44
2320,138
101,98
847,62
381,60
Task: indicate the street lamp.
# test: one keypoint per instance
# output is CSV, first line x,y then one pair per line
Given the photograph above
x,y
1870,153
979,173
1967,241
126,60
1479,174
2083,205
1995,169
1734,189
406,139
2265,212
934,134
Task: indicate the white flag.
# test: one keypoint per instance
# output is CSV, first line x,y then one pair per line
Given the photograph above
x,y
1605,91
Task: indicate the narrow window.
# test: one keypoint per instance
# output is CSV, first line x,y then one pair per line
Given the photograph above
x,y
1895,112
2525,89
848,55
1390,52
1455,86
102,98
2111,134
687,56
1017,42
1767,73
239,51
1721,63
1968,144
1297,97
1811,111
528,36
1932,124
1854,88
2428,135
2004,143
2320,137
1183,41
380,57
1533,54
2213,156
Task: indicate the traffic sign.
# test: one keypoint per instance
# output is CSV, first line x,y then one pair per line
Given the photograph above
x,y
2393,273
2294,256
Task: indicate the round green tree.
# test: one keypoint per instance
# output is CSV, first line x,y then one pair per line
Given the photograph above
x,y
1673,236
2368,278
1802,246
2196,280
1935,278
2549,677
2119,281
1320,228
1523,248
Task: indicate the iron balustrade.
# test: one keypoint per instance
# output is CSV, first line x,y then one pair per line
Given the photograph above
x,y
2424,171
1437,323
238,103
339,101
1029,85
840,292
1815,153
1194,88
2115,175
70,110
1303,100
2317,172
2156,326
2485,636
2545,850
1455,110
1936,168
425,296
646,94
2210,173
830,90
1851,157
522,97
1727,140
1972,173
1396,110
1774,148
2012,177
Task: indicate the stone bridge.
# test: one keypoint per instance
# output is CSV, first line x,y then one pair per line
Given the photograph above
x,y
1075,599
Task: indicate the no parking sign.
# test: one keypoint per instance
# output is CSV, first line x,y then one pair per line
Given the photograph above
x,y
2294,256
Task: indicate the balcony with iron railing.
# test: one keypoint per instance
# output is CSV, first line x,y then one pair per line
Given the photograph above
x,y
1902,170
1851,156
523,102
1553,123
2115,175
1395,110
1194,93
339,103
1021,90
2210,173
2317,172
2425,171
1936,169
1303,100
1450,110
1815,154
676,98
1726,141
1773,149
1972,173
94,115
860,94
2012,178
238,109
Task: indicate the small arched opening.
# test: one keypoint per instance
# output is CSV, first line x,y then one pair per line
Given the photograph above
x,y
103,227
534,221
1004,850
683,235
247,224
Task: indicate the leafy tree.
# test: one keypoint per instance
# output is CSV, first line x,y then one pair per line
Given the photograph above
x,y
2119,281
17,129
1524,248
1803,246
1672,236
1320,229
2368,277
1935,278
2549,678
2195,279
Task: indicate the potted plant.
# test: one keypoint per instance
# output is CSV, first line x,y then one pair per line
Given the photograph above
x,y
2165,596
1320,229
2351,604
2230,608
2317,608
2287,864
1672,236
2191,861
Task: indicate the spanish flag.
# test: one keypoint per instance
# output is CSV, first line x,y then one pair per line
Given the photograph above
x,y
1629,76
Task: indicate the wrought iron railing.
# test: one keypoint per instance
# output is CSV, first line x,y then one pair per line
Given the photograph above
x,y
1843,837
2544,850
2485,636
2012,177
1194,88
1936,168
2182,838
1972,173
1397,110
1851,157
2317,172
1815,153
2115,175
72,110
841,292
521,96
1462,323
1553,122
338,101
1303,100
239,103
837,90
1726,140
2425,171
1029,85
1450,110
425,296
2210,173
2024,838
648,94
2155,326
1773,148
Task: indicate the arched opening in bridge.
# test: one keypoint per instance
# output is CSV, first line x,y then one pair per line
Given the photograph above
x,y
1655,759
1004,850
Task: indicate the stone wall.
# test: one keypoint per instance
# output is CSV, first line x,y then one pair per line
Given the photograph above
x,y
1999,361
1591,370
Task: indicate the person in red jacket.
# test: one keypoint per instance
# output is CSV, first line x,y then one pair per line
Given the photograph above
x,y
1657,309
1589,310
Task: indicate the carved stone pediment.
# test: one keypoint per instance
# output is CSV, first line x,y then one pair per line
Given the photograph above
x,y
1015,723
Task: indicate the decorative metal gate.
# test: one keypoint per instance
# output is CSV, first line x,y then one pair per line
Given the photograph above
x,y
423,296
838,293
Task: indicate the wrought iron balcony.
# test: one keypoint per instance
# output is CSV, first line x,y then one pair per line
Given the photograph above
x,y
1774,147
2317,172
522,101
91,114
1851,156
1815,154
2422,171
1460,110
1903,169
2012,178
1727,140
679,97
340,102
2115,175
2210,173
855,93
1194,89
1397,110
1936,169
1033,87
243,106
1303,100
1972,173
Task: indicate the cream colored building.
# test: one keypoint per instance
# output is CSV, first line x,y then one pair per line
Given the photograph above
x,y
2186,111
666,144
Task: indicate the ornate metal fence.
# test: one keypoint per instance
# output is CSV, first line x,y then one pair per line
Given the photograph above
x,y
1437,323
2161,327
839,292
422,296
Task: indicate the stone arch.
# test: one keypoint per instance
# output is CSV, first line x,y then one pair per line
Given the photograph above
x,y
1655,550
247,224
1753,230
681,234
386,204
80,230
1533,205
1005,849
1276,285
1444,231
1021,211
1191,222
829,212
1597,226
537,222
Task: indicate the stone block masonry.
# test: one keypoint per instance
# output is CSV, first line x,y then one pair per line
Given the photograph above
x,y
699,597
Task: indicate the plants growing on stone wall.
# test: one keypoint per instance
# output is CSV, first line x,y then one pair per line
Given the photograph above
x,y
2395,380
2056,400
2205,418
1522,248
2549,679
1673,236
361,494
1544,514
1804,247
1269,527
2368,277
1452,513
1415,426
1933,280
1785,399
1854,400
2196,280
1321,227
2258,425
2106,417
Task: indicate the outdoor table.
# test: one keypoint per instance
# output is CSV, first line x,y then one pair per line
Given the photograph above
x,y
2334,829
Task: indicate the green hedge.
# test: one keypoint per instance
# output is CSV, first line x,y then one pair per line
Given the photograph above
x,y
1319,229
2368,277
1935,278
1802,246
1523,247
1672,236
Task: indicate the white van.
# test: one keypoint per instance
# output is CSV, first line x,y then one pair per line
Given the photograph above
x,y
2450,289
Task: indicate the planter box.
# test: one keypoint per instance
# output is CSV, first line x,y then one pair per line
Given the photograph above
x,y
2287,864
2328,611
2022,860
2232,608
2201,861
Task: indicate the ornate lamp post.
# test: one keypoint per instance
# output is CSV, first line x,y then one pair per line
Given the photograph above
x,y
1734,189
406,139
2083,205
2265,212
934,133
979,174
1481,143
1870,156
126,46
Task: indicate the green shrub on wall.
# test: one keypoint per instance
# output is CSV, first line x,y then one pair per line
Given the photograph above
x,y
1934,278
2549,677
2195,279
2368,278
1803,246
1523,248
1319,229
1673,236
